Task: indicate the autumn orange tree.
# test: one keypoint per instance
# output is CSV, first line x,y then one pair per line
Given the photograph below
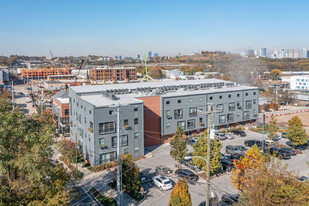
x,y
180,195
252,159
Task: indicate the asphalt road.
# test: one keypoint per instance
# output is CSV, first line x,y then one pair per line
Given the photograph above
x,y
20,100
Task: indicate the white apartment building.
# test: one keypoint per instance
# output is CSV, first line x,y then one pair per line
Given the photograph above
x,y
299,82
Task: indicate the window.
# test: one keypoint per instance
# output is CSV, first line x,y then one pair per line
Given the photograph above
x,y
85,119
201,122
221,119
126,151
210,98
178,113
136,135
230,96
181,124
107,127
66,112
254,93
135,120
232,106
246,94
201,99
101,141
112,112
238,114
254,113
168,125
246,115
220,97
238,95
191,124
201,109
254,101
230,117
168,114
179,101
74,100
126,122
136,149
192,112
135,109
167,102
124,140
107,157
248,104
220,107
81,106
91,124
190,100
89,111
239,105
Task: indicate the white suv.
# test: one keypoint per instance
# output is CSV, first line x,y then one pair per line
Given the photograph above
x,y
162,182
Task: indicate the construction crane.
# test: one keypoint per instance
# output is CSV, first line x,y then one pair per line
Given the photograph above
x,y
54,61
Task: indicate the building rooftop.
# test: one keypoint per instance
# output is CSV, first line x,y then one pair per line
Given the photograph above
x,y
102,68
101,101
149,85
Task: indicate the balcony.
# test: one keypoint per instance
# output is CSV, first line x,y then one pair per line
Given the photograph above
x,y
90,129
127,127
103,146
202,124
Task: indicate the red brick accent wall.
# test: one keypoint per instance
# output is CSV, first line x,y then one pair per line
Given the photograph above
x,y
63,108
152,121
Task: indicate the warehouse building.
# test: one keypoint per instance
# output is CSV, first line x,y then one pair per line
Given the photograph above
x,y
151,112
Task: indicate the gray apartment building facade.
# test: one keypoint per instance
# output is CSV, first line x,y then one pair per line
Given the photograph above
x,y
151,112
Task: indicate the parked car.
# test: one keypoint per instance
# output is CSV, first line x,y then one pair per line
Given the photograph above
x,y
284,135
224,157
188,157
162,182
278,152
221,136
307,105
268,143
239,132
20,93
231,149
241,148
302,178
161,169
230,199
235,157
299,147
276,138
250,143
290,150
143,177
226,165
229,136
190,176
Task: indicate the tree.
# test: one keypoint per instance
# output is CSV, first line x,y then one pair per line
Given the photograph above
x,y
155,72
27,175
275,73
180,195
178,145
296,133
131,180
200,149
270,184
252,159
272,128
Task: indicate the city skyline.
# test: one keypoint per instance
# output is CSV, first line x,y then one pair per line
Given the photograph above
x,y
121,28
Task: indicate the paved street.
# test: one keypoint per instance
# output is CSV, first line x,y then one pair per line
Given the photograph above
x,y
20,100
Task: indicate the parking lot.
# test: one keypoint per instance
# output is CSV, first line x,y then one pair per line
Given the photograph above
x,y
20,100
220,185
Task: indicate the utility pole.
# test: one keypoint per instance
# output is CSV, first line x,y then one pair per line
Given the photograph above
x,y
13,100
118,155
277,89
208,157
263,129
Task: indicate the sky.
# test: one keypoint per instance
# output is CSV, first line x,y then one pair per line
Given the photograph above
x,y
168,27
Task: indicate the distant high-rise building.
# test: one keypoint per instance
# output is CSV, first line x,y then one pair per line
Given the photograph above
x,y
138,56
276,52
282,53
263,52
290,53
250,52
308,54
149,54
304,53
155,55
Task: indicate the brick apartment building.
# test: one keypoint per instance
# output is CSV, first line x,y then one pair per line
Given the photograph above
x,y
44,73
151,112
113,73
61,112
